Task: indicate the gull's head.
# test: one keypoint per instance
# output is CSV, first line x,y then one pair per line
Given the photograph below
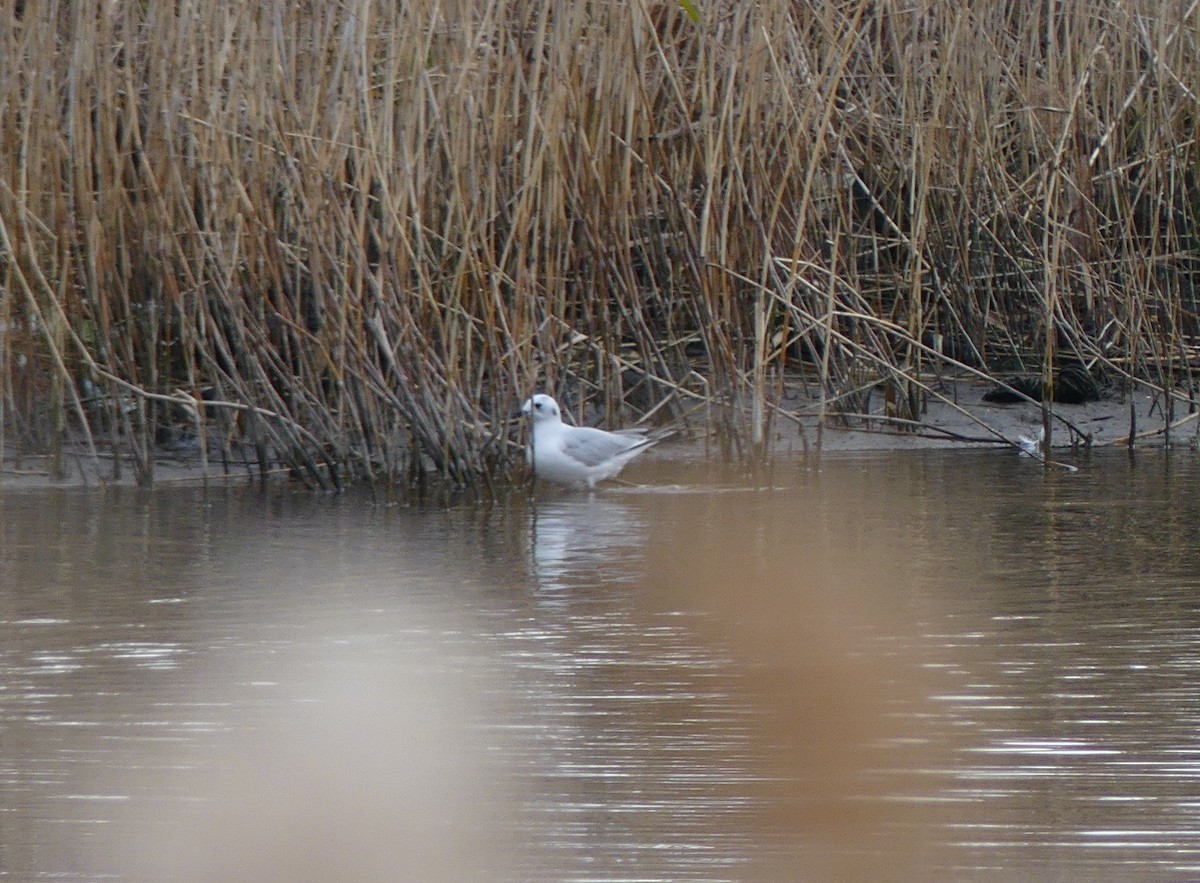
x,y
541,407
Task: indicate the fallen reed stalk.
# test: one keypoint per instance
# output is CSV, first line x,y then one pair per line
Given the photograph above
x,y
372,230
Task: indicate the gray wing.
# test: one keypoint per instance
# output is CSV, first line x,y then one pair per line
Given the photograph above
x,y
591,447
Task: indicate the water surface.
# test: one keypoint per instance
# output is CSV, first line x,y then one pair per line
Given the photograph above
x,y
939,665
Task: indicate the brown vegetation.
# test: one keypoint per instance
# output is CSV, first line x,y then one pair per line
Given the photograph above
x,y
371,229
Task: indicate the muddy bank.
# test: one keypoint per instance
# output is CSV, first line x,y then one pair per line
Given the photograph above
x,y
967,419
964,420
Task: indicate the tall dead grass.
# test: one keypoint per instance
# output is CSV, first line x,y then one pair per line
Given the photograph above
x,y
369,230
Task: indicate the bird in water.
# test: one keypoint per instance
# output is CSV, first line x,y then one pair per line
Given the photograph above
x,y
577,455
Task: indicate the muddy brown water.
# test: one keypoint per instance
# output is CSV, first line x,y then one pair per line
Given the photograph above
x,y
928,665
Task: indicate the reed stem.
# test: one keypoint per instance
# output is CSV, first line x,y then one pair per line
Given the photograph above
x,y
374,228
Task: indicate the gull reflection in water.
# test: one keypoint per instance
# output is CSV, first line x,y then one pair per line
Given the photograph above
x,y
584,540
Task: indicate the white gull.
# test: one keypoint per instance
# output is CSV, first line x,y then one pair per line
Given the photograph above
x,y
577,455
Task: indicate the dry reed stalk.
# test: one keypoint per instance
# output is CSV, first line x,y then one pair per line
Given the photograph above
x,y
374,229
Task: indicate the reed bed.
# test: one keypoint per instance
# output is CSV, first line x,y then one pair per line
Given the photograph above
x,y
351,238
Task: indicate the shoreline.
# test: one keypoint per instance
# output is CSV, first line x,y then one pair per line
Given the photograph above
x,y
971,421
965,421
